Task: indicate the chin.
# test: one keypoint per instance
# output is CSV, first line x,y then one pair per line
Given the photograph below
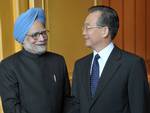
x,y
40,49
40,52
87,44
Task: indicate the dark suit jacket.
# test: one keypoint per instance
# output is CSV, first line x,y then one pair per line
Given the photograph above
x,y
122,87
32,83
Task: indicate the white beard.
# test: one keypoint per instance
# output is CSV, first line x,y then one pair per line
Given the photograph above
x,y
33,48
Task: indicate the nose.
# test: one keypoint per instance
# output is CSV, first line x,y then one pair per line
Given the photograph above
x,y
84,31
42,38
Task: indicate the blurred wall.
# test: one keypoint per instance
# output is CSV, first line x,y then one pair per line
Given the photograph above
x,y
6,23
65,19
134,31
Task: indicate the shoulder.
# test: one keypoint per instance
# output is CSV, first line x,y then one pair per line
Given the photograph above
x,y
127,57
131,57
10,60
8,64
55,56
84,59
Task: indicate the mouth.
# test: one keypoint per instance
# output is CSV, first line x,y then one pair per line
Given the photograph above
x,y
42,44
86,37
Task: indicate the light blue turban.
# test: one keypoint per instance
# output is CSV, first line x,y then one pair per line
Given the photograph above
x,y
25,21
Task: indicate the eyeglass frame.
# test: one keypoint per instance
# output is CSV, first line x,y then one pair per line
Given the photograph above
x,y
87,27
36,35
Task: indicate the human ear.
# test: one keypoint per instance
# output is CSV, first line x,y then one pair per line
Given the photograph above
x,y
105,31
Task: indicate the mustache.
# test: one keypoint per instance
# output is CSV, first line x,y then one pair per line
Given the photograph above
x,y
41,44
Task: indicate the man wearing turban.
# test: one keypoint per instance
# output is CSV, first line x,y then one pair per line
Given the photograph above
x,y
33,80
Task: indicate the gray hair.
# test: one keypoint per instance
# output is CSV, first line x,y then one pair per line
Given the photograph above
x,y
108,18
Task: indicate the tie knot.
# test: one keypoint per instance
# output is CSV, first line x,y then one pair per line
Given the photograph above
x,y
97,57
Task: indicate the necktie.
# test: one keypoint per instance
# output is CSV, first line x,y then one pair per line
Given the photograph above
x,y
94,75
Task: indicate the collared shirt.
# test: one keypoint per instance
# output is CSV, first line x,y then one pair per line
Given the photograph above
x,y
104,54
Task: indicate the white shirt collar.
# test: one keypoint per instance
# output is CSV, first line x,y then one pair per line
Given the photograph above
x,y
104,53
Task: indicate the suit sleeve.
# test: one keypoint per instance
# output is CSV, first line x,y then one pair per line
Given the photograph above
x,y
138,89
75,92
9,89
72,103
67,82
66,88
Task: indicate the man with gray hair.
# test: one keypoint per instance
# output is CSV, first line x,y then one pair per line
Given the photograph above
x,y
33,80
109,80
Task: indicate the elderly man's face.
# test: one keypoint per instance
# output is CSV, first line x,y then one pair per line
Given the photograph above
x,y
94,35
36,39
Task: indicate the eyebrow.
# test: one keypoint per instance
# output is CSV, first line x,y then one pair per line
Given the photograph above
x,y
39,31
90,24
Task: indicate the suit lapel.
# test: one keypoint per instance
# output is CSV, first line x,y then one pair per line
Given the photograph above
x,y
86,75
111,66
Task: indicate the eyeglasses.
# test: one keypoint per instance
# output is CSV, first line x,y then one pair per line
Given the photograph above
x,y
88,27
36,35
